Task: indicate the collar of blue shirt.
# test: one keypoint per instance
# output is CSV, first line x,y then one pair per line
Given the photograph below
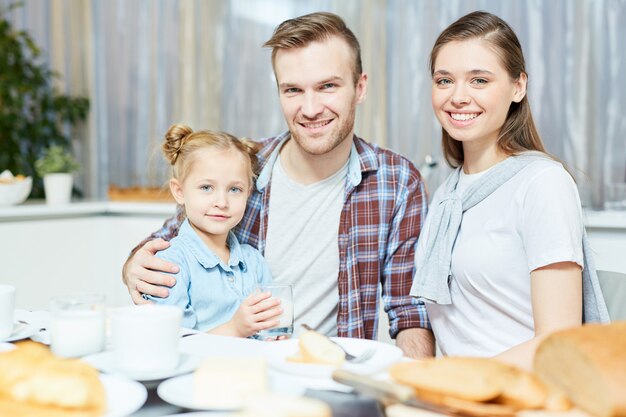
x,y
205,256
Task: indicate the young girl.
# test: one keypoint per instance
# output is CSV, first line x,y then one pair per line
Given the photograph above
x,y
212,176
502,259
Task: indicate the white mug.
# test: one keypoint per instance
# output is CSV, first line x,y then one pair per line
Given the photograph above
x,y
7,310
145,338
77,324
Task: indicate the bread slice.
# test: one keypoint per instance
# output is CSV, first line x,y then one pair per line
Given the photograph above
x,y
589,364
474,380
12,408
296,358
34,382
522,390
317,348
463,378
467,407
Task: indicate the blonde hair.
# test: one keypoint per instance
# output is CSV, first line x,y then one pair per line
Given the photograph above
x,y
315,27
181,142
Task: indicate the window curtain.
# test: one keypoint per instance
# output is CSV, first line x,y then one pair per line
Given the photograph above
x,y
149,63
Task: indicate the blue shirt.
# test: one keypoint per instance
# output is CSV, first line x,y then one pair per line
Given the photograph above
x,y
208,290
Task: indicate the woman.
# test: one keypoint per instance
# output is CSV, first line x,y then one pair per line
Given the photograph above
x,y
500,260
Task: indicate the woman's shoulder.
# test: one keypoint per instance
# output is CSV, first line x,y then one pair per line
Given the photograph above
x,y
545,164
546,183
546,170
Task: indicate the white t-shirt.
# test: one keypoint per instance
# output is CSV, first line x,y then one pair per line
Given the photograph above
x,y
533,220
302,247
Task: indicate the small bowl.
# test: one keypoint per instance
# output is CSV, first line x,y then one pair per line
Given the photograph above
x,y
15,192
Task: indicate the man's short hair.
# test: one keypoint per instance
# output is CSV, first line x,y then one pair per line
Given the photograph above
x,y
315,27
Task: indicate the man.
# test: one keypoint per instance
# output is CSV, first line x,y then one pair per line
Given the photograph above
x,y
344,215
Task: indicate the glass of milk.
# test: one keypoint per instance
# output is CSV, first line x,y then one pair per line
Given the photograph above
x,y
77,325
285,327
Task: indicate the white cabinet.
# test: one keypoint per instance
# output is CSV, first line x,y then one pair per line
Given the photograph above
x,y
52,254
607,237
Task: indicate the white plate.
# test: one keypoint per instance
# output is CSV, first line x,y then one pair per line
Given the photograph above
x,y
5,347
201,414
103,361
386,355
123,396
21,331
179,391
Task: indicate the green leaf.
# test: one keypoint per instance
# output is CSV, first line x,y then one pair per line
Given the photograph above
x,y
36,121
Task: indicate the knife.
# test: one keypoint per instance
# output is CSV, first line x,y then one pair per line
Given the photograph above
x,y
388,392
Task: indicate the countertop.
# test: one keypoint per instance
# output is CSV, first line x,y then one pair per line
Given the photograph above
x,y
38,210
606,219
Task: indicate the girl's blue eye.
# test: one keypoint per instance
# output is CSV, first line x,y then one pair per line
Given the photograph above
x,y
206,187
480,81
443,81
235,190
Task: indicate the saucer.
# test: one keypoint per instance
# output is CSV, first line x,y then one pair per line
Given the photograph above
x,y
179,392
123,396
5,347
21,331
103,361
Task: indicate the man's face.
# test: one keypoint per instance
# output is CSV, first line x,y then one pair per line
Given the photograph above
x,y
318,94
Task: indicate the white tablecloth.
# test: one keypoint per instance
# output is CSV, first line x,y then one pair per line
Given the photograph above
x,y
202,345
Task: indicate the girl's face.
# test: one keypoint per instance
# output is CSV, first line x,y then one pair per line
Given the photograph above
x,y
472,92
214,192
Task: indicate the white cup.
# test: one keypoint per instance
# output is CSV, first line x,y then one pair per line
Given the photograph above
x,y
77,325
145,338
7,310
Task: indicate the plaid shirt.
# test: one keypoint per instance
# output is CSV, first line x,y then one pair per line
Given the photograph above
x,y
384,209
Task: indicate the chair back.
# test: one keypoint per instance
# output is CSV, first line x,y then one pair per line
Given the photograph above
x,y
613,286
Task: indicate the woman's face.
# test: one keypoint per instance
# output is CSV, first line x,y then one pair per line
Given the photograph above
x,y
472,92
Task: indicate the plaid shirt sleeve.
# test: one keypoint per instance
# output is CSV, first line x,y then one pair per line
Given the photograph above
x,y
168,231
405,311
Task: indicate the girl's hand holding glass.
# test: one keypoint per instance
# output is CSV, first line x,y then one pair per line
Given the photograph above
x,y
257,312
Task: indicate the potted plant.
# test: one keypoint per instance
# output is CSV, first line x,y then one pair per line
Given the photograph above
x,y
56,167
33,114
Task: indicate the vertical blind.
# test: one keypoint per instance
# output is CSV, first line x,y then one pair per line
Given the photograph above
x,y
148,63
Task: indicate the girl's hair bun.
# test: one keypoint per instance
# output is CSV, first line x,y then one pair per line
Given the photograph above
x,y
174,139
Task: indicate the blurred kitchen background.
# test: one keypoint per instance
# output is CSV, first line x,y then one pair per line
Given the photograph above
x,y
145,64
